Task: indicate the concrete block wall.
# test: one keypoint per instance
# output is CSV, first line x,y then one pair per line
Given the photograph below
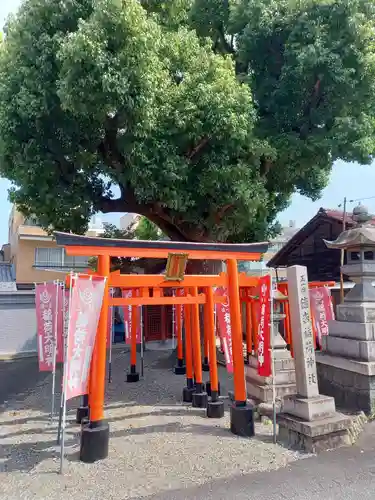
x,y
17,324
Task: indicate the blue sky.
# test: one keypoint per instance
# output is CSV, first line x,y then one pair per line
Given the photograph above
x,y
350,180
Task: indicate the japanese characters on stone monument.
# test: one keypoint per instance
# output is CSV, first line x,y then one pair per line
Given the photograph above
x,y
309,419
303,340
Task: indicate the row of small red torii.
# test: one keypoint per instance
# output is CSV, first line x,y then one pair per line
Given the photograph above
x,y
193,286
50,295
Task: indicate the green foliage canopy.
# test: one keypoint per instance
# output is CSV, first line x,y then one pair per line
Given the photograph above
x,y
205,115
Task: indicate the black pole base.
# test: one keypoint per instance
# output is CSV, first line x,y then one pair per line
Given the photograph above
x,y
231,395
208,388
85,421
215,409
132,377
187,394
200,400
242,420
205,365
179,370
82,413
94,442
199,387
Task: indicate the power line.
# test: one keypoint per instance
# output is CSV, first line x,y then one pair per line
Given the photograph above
x,y
361,199
353,201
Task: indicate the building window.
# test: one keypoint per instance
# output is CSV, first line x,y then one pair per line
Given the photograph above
x,y
50,258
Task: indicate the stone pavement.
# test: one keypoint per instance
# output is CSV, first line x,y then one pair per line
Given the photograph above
x,y
344,474
157,444
163,450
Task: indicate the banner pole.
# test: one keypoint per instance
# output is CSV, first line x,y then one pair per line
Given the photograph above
x,y
62,449
56,283
111,343
273,363
142,347
173,322
64,326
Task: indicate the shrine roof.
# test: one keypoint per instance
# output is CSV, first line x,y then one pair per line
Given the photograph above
x,y
96,246
323,215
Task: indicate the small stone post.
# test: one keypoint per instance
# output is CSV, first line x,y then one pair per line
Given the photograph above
x,y
302,334
309,419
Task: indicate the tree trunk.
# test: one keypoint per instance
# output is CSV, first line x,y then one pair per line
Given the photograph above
x,y
205,267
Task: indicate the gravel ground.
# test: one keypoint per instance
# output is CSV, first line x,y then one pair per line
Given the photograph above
x,y
157,443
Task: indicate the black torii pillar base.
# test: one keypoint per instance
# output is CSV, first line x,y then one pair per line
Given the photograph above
x,y
242,419
180,368
205,365
208,388
133,376
200,397
187,392
94,441
215,409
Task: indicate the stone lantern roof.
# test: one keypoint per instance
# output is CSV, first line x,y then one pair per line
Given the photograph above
x,y
360,245
363,234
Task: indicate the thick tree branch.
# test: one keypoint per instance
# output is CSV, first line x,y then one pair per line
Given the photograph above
x,y
108,148
221,213
265,166
196,149
313,103
108,205
225,44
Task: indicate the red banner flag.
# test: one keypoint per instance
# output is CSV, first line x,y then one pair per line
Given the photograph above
x,y
85,307
128,319
321,309
225,329
48,304
264,327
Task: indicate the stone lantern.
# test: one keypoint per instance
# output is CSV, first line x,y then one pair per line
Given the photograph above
x,y
359,244
346,367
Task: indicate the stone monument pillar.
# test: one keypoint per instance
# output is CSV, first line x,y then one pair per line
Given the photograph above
x,y
308,419
260,388
346,366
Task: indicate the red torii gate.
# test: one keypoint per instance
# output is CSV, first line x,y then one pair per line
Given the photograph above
x,y
95,434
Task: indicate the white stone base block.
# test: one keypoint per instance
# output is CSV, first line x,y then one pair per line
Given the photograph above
x,y
314,437
309,409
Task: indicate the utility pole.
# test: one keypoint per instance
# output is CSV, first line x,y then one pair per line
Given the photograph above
x,y
342,255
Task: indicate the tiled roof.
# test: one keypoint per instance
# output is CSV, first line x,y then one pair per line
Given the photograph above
x,y
339,214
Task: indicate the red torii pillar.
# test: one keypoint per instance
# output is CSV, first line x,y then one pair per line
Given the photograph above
x,y
241,413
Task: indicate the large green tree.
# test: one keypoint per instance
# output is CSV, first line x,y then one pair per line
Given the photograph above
x,y
204,116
